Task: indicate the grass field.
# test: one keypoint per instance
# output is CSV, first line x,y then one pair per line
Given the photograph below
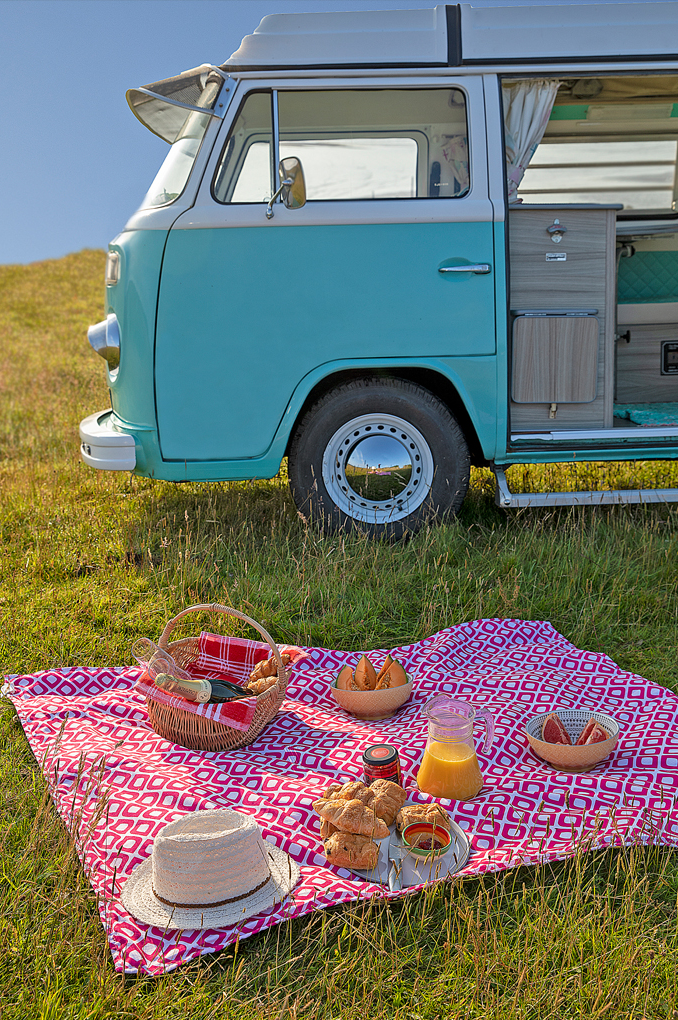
x,y
91,561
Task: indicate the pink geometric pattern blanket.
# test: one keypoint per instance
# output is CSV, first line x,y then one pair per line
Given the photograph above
x,y
116,783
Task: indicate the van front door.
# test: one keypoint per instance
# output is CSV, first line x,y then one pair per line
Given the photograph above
x,y
371,271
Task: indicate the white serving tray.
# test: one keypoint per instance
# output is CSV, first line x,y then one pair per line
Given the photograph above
x,y
397,868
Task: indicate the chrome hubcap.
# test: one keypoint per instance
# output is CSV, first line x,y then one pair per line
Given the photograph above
x,y
378,468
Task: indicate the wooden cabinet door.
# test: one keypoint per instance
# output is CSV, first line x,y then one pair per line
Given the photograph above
x,y
555,359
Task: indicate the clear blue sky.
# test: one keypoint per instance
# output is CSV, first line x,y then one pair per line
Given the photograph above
x,y
74,162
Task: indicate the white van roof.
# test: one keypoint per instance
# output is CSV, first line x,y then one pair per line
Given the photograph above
x,y
454,35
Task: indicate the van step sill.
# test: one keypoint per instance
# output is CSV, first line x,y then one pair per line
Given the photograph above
x,y
638,432
510,500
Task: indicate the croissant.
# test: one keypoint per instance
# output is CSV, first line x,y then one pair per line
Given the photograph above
x,y
261,685
331,791
268,667
326,829
355,791
352,816
348,850
432,813
264,668
388,799
349,791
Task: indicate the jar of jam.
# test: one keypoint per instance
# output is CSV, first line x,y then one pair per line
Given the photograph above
x,y
381,761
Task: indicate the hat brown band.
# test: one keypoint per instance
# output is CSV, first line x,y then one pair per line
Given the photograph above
x,y
206,906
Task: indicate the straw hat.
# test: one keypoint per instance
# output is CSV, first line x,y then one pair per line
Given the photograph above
x,y
209,869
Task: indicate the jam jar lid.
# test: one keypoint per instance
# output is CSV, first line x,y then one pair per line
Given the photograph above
x,y
380,755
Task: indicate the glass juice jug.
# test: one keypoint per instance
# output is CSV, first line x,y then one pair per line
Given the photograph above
x,y
450,767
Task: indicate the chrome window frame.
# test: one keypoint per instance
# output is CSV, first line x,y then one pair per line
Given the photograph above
x,y
246,148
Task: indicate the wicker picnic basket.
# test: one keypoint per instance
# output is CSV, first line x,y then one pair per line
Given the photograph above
x,y
196,731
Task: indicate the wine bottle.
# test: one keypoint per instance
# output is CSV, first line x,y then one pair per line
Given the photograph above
x,y
191,689
224,690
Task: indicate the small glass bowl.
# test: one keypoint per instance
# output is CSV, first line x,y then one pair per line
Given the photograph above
x,y
424,839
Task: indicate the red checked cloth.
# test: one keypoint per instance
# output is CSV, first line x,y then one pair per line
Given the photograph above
x,y
221,658
89,730
235,658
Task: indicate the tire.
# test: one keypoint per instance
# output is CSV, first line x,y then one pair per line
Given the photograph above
x,y
335,474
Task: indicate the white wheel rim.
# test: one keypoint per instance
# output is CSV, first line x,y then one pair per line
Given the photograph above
x,y
339,449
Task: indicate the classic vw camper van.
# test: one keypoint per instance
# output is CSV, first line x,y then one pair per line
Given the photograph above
x,y
388,245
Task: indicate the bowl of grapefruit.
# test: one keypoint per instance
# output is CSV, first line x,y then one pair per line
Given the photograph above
x,y
573,740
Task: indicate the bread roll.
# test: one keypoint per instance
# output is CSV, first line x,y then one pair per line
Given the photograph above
x,y
432,813
347,850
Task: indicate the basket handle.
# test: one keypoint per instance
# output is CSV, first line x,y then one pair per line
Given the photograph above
x,y
163,640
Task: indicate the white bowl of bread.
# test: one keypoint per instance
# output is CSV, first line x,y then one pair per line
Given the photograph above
x,y
368,694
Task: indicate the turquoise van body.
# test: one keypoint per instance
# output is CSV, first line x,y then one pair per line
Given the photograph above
x,y
205,409
299,337
242,328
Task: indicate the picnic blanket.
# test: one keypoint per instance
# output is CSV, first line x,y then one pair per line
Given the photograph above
x,y
116,783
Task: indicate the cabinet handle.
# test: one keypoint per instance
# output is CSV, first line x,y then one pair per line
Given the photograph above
x,y
477,267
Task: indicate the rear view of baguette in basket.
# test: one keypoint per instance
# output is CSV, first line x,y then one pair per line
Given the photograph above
x,y
196,731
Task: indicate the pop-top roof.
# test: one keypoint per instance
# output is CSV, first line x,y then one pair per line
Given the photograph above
x,y
452,35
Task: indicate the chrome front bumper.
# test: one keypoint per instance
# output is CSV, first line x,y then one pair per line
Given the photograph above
x,y
103,447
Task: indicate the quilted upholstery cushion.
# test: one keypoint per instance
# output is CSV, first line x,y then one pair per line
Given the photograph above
x,y
648,414
648,276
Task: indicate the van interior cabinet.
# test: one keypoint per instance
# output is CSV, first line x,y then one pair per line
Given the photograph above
x,y
647,369
562,288
647,353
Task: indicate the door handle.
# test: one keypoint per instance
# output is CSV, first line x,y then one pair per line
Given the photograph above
x,y
480,268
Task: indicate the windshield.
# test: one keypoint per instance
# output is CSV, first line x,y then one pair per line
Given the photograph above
x,y
173,175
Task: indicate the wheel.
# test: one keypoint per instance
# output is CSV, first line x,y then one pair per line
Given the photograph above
x,y
380,455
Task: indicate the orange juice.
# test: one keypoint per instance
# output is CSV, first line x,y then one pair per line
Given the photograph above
x,y
450,770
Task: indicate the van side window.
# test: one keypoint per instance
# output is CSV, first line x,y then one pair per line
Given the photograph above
x,y
245,170
352,143
377,143
609,139
640,174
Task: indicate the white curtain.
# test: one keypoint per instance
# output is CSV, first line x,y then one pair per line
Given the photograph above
x,y
527,108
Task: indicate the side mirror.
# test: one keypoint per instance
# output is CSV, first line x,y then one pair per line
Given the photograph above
x,y
293,193
292,185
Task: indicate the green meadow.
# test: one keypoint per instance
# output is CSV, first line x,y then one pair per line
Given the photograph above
x,y
91,561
